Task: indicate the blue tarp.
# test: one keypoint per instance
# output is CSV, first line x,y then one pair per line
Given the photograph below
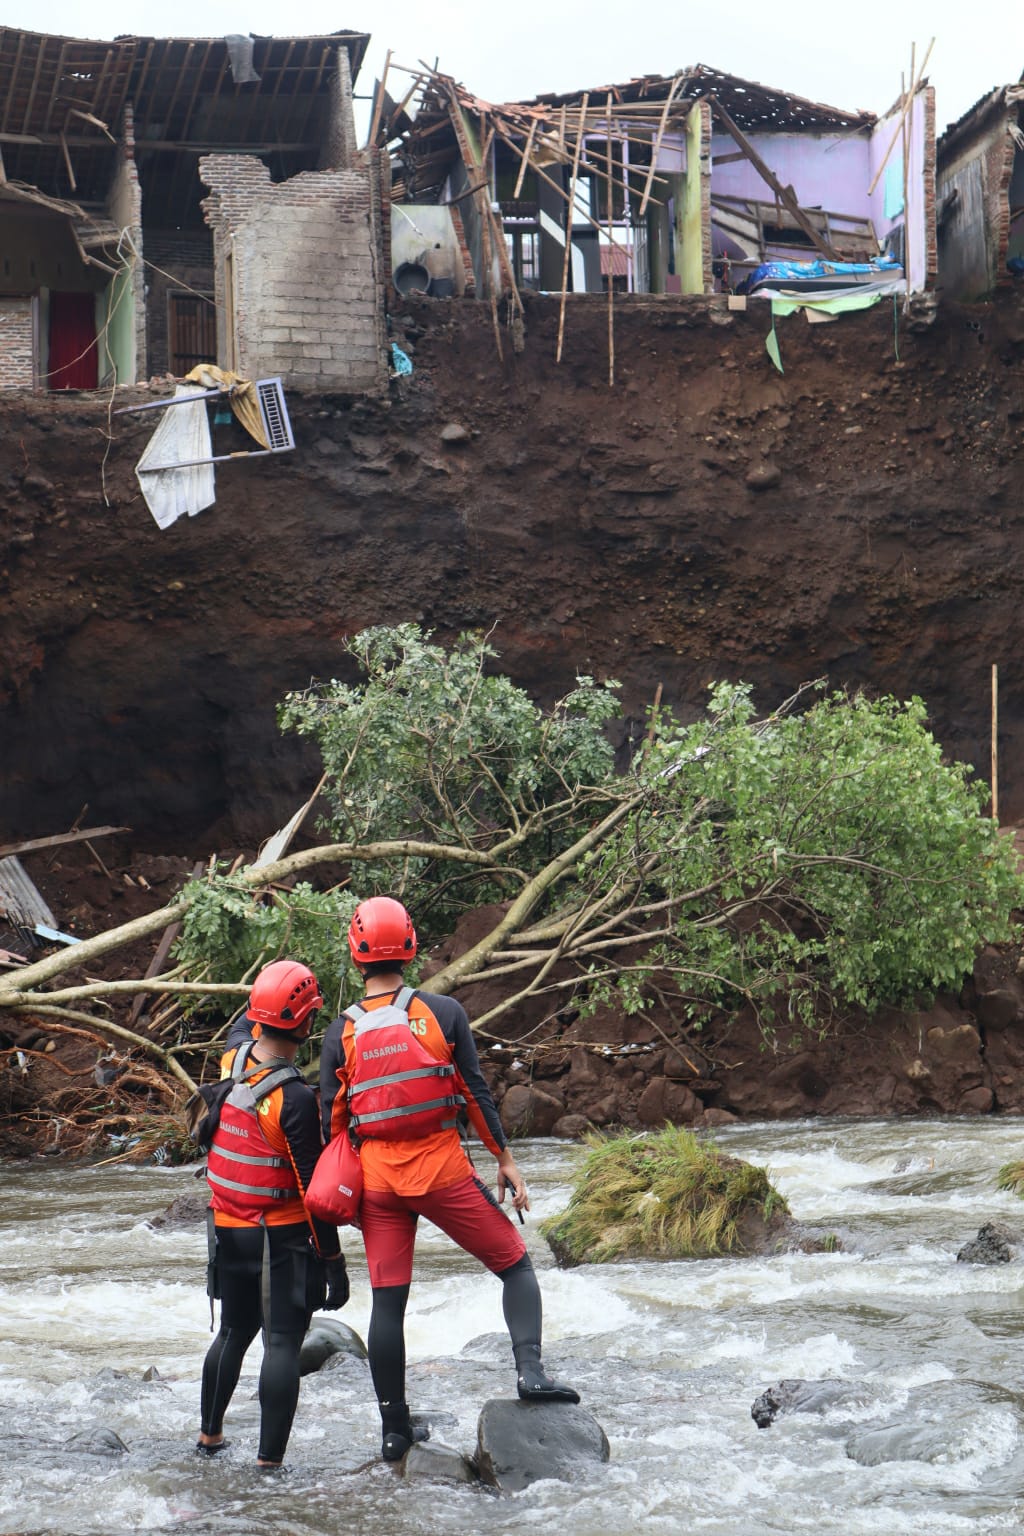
x,y
804,271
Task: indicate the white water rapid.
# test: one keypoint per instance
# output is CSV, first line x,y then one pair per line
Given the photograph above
x,y
928,1440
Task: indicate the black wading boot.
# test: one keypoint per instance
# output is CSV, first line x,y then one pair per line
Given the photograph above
x,y
399,1432
533,1383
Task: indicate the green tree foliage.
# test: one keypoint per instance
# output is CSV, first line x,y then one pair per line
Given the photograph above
x,y
432,746
230,931
823,852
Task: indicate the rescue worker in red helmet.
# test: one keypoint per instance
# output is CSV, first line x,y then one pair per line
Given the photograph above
x,y
396,1070
272,1260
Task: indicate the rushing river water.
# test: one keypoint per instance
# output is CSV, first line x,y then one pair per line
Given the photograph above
x,y
669,1357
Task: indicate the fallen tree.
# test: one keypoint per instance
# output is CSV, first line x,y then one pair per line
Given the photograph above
x,y
823,853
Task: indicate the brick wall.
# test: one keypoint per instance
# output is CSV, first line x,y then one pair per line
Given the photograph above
x,y
306,272
16,371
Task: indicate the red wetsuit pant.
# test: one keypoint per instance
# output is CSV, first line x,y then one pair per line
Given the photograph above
x,y
466,1211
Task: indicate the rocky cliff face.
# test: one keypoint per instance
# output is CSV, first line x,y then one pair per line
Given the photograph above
x,y
858,516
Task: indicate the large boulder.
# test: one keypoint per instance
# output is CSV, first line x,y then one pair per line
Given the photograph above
x,y
529,1111
325,1338
523,1443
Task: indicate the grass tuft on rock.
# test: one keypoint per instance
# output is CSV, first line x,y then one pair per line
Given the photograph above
x,y
667,1195
1011,1177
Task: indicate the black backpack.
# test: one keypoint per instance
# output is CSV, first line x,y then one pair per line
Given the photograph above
x,y
202,1111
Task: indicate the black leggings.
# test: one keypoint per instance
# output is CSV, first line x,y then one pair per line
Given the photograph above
x,y
385,1342
295,1279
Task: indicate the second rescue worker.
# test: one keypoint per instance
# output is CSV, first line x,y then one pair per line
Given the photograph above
x,y
397,1069
272,1257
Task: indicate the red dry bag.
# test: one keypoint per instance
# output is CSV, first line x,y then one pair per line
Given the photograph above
x,y
336,1187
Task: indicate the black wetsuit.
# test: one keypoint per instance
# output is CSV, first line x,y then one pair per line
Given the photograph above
x,y
296,1285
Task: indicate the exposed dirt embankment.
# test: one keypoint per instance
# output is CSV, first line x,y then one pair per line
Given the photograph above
x,y
859,516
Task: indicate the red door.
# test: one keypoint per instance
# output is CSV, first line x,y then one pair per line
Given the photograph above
x,y
73,347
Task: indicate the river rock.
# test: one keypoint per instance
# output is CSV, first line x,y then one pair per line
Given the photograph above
x,y
991,1246
325,1338
185,1211
898,1442
438,1463
527,1111
521,1443
796,1396
97,1442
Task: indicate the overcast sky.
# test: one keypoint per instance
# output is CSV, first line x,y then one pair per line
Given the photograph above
x,y
849,56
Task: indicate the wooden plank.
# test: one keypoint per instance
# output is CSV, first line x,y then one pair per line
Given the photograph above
x,y
786,195
67,162
58,839
14,80
378,104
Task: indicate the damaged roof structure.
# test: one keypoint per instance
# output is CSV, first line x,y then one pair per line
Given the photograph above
x,y
110,267
980,202
698,178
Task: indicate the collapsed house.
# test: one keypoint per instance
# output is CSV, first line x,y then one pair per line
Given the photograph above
x,y
688,183
168,202
980,207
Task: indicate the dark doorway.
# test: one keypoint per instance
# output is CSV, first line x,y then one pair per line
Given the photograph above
x,y
193,332
73,361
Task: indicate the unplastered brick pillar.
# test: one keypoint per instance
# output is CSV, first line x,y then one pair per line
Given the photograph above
x,y
297,273
16,370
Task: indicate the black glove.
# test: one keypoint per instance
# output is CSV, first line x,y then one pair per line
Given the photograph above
x,y
337,1283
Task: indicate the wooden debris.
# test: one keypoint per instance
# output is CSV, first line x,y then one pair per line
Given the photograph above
x,y
786,195
31,845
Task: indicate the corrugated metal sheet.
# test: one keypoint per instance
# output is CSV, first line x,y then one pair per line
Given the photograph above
x,y
19,899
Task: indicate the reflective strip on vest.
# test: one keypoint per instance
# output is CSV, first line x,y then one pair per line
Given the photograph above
x,y
249,1189
451,1102
402,1077
256,1162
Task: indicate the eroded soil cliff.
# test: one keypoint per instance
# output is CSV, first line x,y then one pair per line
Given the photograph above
x,y
707,517
858,516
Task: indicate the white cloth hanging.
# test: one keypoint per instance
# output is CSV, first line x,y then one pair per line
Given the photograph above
x,y
182,436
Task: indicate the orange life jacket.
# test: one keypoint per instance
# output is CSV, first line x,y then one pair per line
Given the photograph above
x,y
393,1090
245,1174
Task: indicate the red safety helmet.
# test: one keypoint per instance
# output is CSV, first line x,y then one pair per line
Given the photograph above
x,y
381,929
283,995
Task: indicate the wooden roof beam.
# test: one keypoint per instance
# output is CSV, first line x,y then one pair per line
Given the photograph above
x,y
786,195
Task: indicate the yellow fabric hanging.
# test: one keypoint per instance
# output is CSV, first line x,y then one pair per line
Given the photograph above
x,y
241,395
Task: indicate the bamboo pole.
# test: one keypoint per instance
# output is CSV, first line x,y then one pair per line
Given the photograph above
x,y
552,183
567,254
995,742
523,163
914,85
611,274
656,145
